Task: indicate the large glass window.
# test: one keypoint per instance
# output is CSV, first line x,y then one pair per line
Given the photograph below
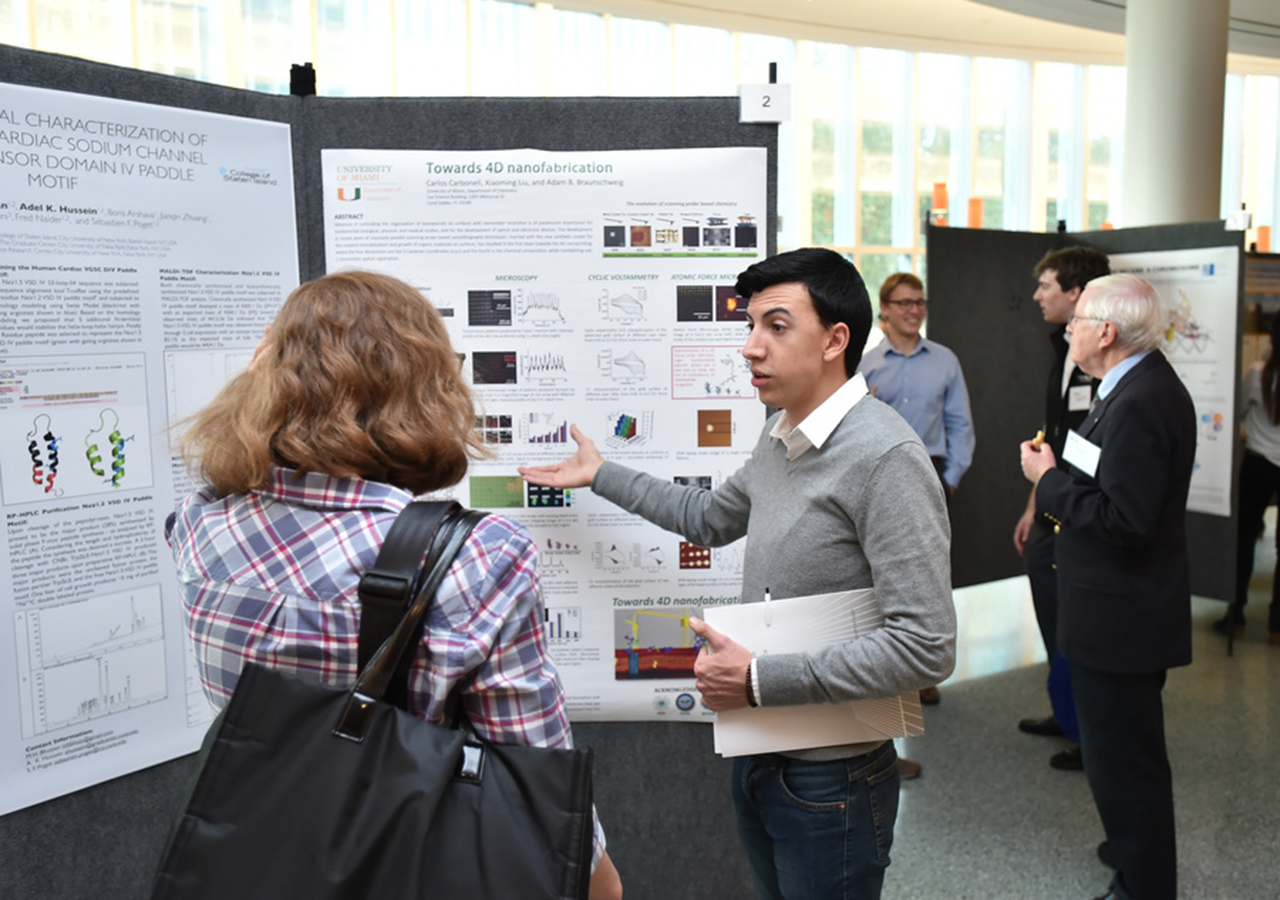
x,y
871,130
1057,141
266,39
1104,154
639,58
1258,160
944,147
886,159
432,58
505,51
1001,124
828,80
703,61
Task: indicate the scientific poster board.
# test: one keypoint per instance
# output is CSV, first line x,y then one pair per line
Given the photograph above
x,y
142,249
1199,289
593,288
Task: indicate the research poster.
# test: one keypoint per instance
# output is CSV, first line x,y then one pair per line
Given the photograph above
x,y
1200,290
142,249
596,289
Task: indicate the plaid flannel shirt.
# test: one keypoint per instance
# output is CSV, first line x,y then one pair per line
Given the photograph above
x,y
272,577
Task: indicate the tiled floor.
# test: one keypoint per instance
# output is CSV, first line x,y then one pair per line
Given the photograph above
x,y
989,818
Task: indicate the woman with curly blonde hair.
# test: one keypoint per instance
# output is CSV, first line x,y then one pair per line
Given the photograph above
x,y
354,403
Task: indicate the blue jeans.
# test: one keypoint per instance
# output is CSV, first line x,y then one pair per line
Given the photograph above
x,y
817,830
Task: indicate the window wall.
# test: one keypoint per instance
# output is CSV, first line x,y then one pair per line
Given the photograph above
x,y
872,132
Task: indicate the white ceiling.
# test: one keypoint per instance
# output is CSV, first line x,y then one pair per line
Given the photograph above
x,y
1254,25
1085,31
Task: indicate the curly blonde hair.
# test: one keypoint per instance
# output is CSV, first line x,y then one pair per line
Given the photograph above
x,y
356,378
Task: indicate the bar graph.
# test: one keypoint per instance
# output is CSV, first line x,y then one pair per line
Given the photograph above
x,y
564,624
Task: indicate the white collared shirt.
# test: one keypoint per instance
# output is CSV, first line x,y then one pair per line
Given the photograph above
x,y
818,425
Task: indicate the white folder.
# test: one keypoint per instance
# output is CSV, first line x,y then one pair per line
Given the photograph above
x,y
792,626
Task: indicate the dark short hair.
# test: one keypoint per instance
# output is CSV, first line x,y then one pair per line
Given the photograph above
x,y
1075,266
834,285
892,282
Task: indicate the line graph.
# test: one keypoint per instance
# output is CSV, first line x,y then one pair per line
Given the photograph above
x,y
89,658
626,305
543,366
538,306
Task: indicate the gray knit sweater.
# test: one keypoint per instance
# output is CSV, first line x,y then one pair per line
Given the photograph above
x,y
864,510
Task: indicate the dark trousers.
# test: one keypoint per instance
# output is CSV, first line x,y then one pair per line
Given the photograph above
x,y
1122,739
1259,481
1042,572
940,466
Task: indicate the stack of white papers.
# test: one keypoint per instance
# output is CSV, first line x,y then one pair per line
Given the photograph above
x,y
796,625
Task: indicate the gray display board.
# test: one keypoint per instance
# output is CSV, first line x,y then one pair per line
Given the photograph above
x,y
662,793
980,305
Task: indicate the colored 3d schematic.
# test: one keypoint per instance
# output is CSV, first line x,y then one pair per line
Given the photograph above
x,y
629,429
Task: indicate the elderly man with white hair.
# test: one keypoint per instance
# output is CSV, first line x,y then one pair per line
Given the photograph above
x,y
1118,499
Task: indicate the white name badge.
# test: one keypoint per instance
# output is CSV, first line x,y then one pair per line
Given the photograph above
x,y
1081,453
1078,398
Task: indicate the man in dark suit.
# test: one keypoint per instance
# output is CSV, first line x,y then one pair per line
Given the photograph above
x,y
1119,499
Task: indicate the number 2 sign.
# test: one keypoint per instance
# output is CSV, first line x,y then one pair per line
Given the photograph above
x,y
764,102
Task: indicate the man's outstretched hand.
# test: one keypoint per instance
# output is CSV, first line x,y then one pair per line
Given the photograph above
x,y
578,470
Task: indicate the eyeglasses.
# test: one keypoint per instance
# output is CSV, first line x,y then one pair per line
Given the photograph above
x,y
1074,319
908,304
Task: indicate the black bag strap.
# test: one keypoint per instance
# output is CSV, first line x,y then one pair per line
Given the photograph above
x,y
387,589
374,679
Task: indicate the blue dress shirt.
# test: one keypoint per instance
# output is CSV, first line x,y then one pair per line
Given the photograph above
x,y
926,387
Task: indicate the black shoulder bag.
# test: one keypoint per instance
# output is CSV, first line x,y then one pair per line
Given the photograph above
x,y
323,793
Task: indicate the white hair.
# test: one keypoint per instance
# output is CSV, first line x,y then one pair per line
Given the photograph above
x,y
1131,304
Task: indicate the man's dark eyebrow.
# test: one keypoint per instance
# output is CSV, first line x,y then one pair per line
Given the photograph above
x,y
771,311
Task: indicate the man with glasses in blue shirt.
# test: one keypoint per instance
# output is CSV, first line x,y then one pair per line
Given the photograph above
x,y
921,380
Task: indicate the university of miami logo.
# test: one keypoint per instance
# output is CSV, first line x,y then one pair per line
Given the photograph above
x,y
348,193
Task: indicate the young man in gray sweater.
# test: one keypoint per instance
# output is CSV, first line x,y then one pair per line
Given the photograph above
x,y
839,494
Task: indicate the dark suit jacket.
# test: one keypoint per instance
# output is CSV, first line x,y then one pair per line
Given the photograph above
x,y
1124,583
